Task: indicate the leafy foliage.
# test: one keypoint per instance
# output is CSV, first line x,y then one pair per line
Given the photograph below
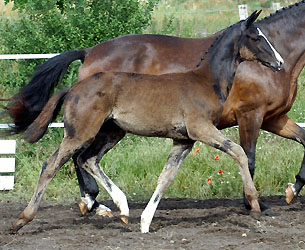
x,y
54,26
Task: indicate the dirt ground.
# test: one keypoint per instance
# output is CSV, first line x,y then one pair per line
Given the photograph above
x,y
178,224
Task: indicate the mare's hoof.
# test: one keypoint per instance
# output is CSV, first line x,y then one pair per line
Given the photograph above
x,y
105,214
289,193
124,219
268,212
83,207
256,215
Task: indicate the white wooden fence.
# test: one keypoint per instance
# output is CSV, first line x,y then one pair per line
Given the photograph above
x,y
8,147
7,164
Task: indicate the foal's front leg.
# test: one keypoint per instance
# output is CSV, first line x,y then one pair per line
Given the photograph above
x,y
178,153
198,129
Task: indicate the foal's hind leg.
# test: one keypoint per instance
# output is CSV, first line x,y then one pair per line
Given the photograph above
x,y
287,128
89,159
198,129
178,153
49,169
88,186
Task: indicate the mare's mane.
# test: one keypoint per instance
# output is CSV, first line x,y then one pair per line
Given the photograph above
x,y
216,41
291,9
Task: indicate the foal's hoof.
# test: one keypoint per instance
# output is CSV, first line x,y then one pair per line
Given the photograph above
x,y
290,193
256,215
16,226
124,219
83,207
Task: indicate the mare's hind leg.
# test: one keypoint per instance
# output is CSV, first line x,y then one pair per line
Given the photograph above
x,y
249,126
49,169
178,153
88,186
287,128
107,138
199,130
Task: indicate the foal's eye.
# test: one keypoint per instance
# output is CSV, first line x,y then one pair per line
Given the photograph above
x,y
255,39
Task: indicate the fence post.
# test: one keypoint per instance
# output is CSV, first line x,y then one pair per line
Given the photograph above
x,y
276,6
243,11
7,164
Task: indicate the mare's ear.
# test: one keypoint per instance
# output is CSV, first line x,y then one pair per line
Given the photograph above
x,y
245,24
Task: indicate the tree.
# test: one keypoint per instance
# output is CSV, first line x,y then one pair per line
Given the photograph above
x,y
54,26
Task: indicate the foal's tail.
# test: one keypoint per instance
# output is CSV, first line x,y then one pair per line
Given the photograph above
x,y
26,105
38,128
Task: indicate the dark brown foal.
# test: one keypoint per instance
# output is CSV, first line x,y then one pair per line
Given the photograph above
x,y
183,106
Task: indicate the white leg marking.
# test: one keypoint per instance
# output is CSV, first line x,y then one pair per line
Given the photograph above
x,y
277,55
291,185
149,211
177,155
88,201
118,197
102,209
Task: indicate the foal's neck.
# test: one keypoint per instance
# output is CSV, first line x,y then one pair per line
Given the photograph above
x,y
219,66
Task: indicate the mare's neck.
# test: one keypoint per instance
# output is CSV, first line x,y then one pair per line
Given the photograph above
x,y
218,67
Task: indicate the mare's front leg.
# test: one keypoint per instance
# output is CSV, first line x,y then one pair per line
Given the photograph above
x,y
49,169
198,129
249,126
287,128
178,153
89,159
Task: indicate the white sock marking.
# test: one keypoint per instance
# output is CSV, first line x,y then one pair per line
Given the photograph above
x,y
88,201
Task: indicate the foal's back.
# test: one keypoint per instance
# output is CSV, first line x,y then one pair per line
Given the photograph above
x,y
145,105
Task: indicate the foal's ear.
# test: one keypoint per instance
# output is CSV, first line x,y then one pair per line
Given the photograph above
x,y
250,20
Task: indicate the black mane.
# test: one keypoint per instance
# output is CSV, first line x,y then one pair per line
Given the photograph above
x,y
293,10
217,39
292,7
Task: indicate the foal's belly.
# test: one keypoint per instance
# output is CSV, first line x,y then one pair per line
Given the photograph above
x,y
159,129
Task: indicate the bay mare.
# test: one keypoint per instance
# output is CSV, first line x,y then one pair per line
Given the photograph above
x,y
182,106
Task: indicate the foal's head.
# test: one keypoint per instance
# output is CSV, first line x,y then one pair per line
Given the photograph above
x,y
253,45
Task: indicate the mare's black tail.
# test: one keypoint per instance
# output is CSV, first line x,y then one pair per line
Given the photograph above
x,y
26,105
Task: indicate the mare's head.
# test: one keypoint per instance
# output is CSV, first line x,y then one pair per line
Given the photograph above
x,y
253,45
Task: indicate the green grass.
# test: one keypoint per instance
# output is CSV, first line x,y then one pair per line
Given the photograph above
x,y
136,162
198,18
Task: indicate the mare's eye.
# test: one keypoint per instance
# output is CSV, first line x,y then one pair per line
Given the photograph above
x,y
255,39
